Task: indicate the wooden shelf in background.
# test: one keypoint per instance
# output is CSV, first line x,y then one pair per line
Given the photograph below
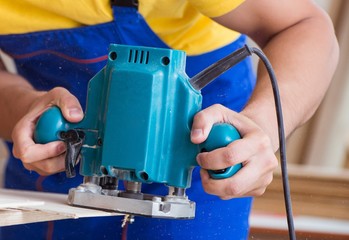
x,y
277,234
314,192
320,202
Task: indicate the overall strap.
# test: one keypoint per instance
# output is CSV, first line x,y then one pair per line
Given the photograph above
x,y
124,3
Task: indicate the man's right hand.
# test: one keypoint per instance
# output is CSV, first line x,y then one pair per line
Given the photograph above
x,y
45,159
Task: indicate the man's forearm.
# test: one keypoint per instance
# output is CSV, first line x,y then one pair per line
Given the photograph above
x,y
16,96
304,58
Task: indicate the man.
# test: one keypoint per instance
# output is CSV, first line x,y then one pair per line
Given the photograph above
x,y
58,46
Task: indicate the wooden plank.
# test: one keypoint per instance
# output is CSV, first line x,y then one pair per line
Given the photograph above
x,y
18,216
16,203
19,207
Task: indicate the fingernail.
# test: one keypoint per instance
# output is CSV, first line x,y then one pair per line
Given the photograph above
x,y
195,133
75,112
198,159
61,148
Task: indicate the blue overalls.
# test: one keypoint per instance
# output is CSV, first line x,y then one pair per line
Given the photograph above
x,y
69,58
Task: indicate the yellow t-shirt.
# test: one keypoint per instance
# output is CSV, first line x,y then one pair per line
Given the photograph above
x,y
181,24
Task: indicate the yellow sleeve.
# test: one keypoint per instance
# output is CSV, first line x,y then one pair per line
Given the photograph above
x,y
26,16
215,8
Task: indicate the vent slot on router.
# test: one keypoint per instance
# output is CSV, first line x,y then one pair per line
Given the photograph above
x,y
138,56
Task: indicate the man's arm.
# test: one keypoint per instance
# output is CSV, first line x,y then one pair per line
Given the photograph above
x,y
20,106
16,95
299,40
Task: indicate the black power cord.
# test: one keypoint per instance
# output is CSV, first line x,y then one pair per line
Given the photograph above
x,y
282,142
206,76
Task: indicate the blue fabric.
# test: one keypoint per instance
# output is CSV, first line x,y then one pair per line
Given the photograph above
x,y
69,58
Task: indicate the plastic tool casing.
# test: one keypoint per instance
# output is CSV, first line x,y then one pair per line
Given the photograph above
x,y
138,118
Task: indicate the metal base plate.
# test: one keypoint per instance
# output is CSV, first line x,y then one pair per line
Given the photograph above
x,y
172,207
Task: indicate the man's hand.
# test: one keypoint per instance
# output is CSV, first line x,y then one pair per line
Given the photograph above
x,y
254,151
44,159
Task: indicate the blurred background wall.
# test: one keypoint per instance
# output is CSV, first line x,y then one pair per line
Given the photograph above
x,y
3,155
